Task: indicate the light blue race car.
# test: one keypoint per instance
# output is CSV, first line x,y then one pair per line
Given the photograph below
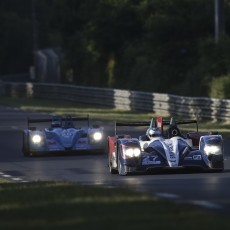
x,y
62,137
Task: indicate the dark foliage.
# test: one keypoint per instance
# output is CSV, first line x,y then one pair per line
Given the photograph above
x,y
164,46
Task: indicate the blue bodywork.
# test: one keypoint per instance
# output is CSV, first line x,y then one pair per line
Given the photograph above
x,y
197,150
62,137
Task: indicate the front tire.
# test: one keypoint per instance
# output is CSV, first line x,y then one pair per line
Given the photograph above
x,y
111,169
121,168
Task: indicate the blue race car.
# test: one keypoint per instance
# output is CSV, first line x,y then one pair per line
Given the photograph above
x,y
62,136
164,146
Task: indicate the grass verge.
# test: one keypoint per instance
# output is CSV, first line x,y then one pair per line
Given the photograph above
x,y
62,205
3,180
63,108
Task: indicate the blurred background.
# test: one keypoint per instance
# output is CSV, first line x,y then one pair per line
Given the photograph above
x,y
177,47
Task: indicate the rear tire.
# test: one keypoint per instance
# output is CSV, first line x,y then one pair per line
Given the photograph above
x,y
25,145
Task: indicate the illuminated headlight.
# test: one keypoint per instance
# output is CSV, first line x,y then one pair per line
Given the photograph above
x,y
97,136
36,139
212,149
132,152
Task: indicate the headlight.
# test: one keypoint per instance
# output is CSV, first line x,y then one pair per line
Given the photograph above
x,y
36,139
97,136
132,152
212,149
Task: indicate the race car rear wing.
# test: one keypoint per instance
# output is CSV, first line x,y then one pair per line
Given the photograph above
x,y
43,120
158,122
129,124
182,122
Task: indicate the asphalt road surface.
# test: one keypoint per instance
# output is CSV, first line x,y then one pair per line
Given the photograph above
x,y
207,190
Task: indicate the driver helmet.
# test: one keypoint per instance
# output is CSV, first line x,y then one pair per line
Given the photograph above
x,y
56,123
153,132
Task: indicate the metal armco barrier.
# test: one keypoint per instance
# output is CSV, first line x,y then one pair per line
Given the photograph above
x,y
160,104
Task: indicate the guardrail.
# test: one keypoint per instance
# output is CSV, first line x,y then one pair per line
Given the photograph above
x,y
161,104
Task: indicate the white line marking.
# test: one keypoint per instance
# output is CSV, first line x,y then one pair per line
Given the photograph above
x,y
206,204
5,175
16,179
201,203
167,195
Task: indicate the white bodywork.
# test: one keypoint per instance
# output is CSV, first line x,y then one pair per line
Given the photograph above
x,y
170,146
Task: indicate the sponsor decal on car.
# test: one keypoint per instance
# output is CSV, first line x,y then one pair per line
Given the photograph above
x,y
66,133
188,158
172,157
194,157
197,157
51,142
150,160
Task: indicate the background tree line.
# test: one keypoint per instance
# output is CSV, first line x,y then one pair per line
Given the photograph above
x,y
164,46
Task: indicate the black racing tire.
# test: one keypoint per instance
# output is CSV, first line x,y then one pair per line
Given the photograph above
x,y
111,169
25,145
121,168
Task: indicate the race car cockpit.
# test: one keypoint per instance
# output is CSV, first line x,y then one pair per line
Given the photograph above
x,y
68,122
153,132
56,122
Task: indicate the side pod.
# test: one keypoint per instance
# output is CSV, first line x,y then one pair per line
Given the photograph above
x,y
112,162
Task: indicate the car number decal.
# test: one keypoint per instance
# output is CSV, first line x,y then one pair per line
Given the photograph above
x,y
150,160
197,157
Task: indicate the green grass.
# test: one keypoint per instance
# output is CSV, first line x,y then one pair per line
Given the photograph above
x,y
63,108
62,205
3,180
